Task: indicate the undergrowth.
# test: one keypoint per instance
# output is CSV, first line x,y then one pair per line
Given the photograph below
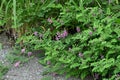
x,y
78,37
3,70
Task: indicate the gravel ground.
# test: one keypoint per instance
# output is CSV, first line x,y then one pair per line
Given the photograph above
x,y
31,70
6,46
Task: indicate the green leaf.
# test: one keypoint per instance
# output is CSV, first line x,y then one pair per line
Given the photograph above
x,y
74,65
84,74
102,65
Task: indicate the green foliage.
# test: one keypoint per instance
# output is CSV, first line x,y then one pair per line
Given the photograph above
x,y
3,70
14,58
15,55
103,65
0,46
51,25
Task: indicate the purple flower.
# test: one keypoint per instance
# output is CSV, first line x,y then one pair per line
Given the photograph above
x,y
50,20
61,35
57,38
80,54
17,64
48,62
90,33
29,54
102,56
58,34
77,29
23,50
35,33
64,34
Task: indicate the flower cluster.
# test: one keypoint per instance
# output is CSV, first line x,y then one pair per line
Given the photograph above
x,y
61,35
24,50
80,54
78,29
35,33
48,62
29,54
50,20
38,35
17,64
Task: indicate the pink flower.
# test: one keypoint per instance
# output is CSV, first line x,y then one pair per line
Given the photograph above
x,y
102,56
61,35
77,29
80,54
23,50
29,54
48,62
17,64
35,33
90,33
58,34
64,34
50,20
57,38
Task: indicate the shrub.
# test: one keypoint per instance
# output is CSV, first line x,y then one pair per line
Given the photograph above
x,y
80,38
92,49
